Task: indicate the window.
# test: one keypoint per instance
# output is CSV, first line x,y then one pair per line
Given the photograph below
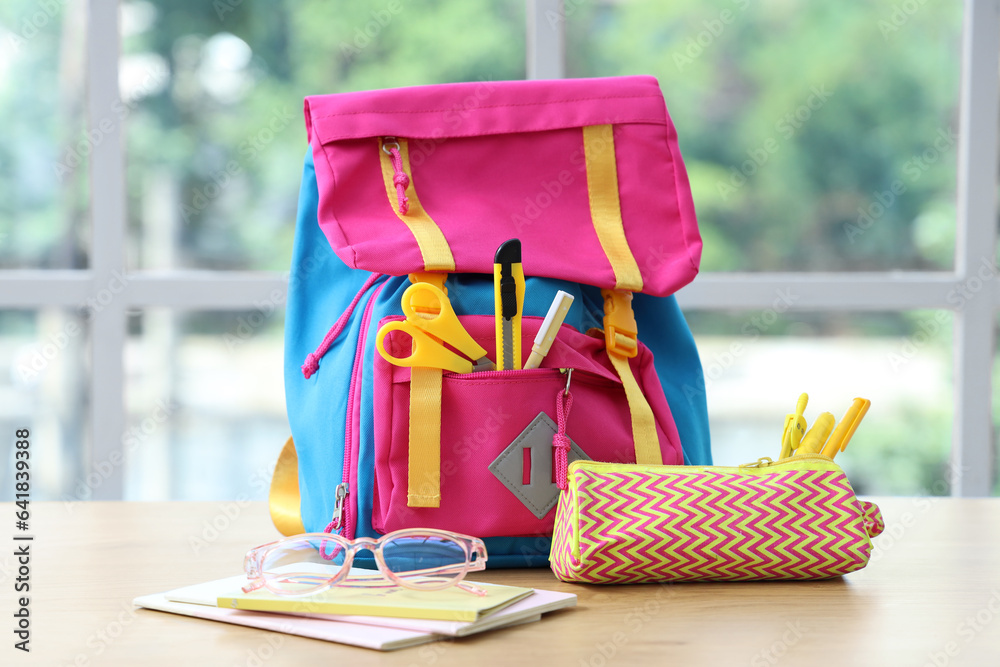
x,y
141,297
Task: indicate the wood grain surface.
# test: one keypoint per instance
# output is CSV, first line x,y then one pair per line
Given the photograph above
x,y
930,596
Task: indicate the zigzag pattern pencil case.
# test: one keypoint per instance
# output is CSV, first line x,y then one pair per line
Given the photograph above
x,y
793,519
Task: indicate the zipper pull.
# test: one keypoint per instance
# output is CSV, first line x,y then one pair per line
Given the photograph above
x,y
762,462
338,508
561,443
569,376
390,146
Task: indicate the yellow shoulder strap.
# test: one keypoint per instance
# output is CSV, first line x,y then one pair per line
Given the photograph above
x,y
620,336
283,500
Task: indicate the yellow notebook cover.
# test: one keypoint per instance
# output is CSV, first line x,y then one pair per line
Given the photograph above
x,y
450,604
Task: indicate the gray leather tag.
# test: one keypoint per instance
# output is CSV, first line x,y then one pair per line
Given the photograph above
x,y
540,494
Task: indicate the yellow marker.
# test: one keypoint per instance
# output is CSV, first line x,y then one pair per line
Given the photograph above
x,y
508,290
812,441
846,428
795,427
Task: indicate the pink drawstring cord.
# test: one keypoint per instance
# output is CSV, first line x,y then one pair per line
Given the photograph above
x,y
560,441
312,361
399,179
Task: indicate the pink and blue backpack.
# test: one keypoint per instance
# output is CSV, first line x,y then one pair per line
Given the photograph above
x,y
422,185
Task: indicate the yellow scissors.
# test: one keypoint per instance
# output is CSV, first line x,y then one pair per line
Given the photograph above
x,y
431,322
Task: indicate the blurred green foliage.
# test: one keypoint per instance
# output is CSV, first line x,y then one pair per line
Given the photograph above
x,y
43,213
794,117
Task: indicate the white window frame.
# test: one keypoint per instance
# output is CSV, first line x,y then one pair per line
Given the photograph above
x,y
973,463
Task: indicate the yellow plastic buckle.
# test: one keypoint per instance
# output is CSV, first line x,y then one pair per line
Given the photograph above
x,y
620,329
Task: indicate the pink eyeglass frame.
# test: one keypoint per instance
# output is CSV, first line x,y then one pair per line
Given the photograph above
x,y
473,547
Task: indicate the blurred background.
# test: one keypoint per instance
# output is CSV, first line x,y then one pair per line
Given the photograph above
x,y
818,137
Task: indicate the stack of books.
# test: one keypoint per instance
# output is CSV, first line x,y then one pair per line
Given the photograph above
x,y
378,618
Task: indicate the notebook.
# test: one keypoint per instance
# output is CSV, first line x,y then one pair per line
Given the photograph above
x,y
380,633
448,604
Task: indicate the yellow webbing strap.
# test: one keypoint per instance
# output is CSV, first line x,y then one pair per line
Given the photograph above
x,y
283,499
621,337
434,248
424,462
605,207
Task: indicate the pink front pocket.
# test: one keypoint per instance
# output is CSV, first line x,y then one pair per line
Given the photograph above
x,y
483,413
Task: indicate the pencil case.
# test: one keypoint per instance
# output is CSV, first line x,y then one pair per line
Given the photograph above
x,y
797,518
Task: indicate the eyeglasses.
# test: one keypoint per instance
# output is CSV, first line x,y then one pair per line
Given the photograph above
x,y
415,558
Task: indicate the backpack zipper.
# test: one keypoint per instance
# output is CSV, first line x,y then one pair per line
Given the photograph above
x,y
341,506
337,523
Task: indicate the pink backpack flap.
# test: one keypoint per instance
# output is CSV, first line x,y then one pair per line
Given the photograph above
x,y
587,173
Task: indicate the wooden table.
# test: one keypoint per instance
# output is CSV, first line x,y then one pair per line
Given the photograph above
x,y
930,596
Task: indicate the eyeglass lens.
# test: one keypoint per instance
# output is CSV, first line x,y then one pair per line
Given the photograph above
x,y
424,561
301,566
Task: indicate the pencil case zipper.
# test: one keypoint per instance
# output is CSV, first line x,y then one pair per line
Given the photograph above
x,y
763,462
